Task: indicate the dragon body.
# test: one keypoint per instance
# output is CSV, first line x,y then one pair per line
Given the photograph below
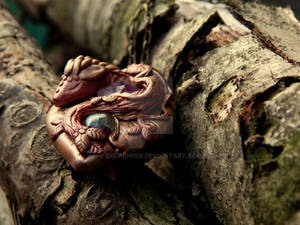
x,y
136,98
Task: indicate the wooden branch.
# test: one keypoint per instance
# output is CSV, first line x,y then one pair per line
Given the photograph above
x,y
5,213
41,187
237,106
108,28
240,124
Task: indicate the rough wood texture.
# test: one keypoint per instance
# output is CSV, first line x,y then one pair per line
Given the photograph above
x,y
233,128
41,187
279,29
192,22
243,124
104,26
237,89
5,213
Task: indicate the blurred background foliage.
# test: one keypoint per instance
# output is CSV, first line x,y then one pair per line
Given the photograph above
x,y
39,30
55,46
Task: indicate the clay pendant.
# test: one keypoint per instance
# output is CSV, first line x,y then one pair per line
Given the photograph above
x,y
102,113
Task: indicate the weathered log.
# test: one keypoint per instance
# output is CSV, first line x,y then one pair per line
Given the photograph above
x,y
109,28
234,108
244,121
40,186
5,212
238,103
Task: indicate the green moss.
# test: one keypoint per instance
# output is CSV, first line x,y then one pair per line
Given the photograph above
x,y
219,96
156,210
153,207
294,142
275,197
258,154
259,124
33,214
120,29
65,172
135,217
276,180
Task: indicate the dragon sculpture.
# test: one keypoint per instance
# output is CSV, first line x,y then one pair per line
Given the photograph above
x,y
101,112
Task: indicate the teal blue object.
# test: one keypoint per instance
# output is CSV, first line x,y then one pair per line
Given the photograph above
x,y
100,120
40,31
14,8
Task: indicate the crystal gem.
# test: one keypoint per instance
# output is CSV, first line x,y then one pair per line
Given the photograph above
x,y
100,120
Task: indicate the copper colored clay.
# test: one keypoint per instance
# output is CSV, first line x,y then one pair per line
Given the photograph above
x,y
102,113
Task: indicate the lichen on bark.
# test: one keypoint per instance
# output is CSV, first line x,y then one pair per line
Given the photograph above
x,y
226,177
277,182
41,187
237,89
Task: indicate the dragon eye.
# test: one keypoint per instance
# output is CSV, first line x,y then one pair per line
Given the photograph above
x,y
102,121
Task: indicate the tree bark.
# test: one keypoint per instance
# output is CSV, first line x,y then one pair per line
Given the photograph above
x,y
108,28
244,122
5,213
40,186
235,69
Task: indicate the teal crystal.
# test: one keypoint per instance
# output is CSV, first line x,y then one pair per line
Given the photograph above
x,y
100,120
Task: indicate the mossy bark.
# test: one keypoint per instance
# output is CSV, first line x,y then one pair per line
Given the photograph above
x,y
235,71
40,186
103,27
244,121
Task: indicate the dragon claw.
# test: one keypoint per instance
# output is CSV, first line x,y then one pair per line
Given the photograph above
x,y
96,100
69,67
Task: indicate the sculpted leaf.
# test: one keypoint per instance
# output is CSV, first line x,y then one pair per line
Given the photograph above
x,y
96,134
69,130
135,130
95,149
152,126
82,143
146,133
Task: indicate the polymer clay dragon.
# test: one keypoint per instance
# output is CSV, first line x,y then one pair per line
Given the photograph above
x,y
100,109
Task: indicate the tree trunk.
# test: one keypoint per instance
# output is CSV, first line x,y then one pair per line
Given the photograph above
x,y
235,69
